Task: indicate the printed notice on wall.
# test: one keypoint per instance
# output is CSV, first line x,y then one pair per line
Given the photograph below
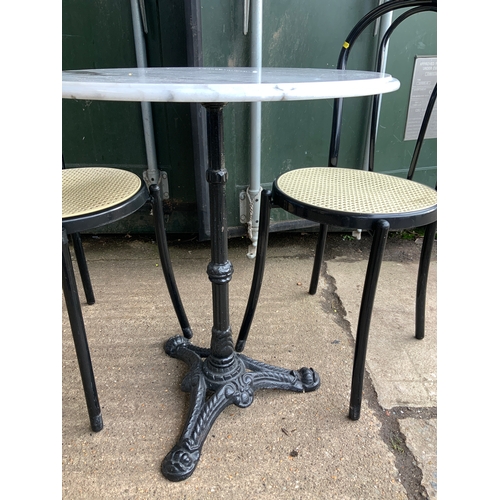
x,y
424,79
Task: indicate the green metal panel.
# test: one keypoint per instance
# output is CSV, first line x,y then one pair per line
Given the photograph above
x,y
294,134
166,46
101,133
99,35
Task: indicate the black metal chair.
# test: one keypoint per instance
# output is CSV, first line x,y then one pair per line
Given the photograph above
x,y
355,200
93,197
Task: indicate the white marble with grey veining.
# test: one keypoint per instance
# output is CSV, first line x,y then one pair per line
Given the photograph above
x,y
208,84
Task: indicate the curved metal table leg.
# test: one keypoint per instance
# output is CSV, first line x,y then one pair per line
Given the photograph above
x,y
166,263
258,272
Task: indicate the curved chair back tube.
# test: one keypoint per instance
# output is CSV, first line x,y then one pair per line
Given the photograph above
x,y
377,98
365,21
421,134
344,55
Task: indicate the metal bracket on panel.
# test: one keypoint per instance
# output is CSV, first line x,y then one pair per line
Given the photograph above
x,y
244,207
159,178
249,215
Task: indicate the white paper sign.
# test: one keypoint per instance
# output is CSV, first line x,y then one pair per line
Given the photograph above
x,y
424,79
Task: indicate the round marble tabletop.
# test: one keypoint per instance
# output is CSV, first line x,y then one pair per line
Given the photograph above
x,y
230,84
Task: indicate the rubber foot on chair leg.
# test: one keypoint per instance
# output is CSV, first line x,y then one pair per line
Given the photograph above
x,y
96,423
240,345
354,412
187,332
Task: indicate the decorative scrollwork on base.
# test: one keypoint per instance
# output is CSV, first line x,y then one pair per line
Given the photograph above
x,y
237,386
310,379
180,463
173,344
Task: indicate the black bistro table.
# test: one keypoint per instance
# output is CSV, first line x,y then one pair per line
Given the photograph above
x,y
226,376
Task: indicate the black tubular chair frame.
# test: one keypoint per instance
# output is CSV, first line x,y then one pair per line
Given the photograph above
x,y
415,7
72,226
379,224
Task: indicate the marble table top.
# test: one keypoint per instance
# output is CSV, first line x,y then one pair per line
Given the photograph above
x,y
230,84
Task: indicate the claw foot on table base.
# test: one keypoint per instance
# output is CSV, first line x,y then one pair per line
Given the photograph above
x,y
245,376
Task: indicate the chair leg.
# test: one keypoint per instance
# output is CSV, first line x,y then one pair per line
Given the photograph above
x,y
258,271
318,258
365,313
166,263
83,268
423,274
80,337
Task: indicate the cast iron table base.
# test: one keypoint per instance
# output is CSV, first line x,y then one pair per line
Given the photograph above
x,y
219,376
232,380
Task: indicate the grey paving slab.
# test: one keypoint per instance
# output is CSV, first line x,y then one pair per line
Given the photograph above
x,y
421,438
403,369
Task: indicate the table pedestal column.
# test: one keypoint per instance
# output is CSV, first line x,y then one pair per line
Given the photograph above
x,y
219,377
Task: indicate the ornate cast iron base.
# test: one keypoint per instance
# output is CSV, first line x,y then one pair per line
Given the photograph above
x,y
233,383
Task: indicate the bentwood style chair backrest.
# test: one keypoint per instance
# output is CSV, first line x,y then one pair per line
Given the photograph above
x,y
93,197
355,200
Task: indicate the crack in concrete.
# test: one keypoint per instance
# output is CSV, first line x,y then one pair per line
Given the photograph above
x,y
410,474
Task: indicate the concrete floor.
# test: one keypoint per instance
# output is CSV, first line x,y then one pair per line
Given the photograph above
x,y
285,445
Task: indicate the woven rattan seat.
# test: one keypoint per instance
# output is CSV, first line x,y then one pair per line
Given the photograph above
x,y
96,196
356,191
88,190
